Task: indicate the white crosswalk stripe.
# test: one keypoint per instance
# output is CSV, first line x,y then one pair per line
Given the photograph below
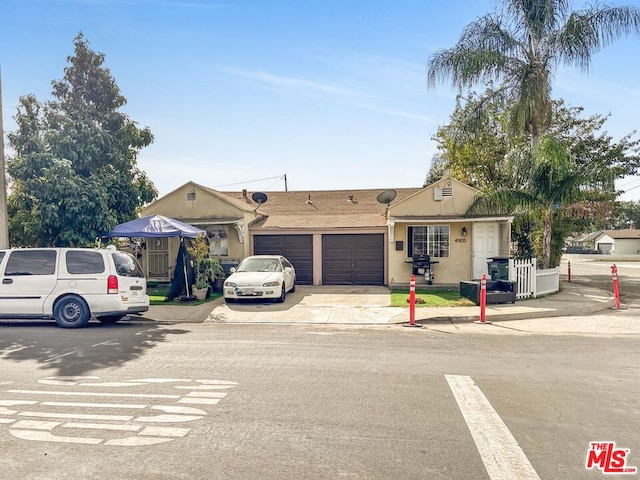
x,y
502,456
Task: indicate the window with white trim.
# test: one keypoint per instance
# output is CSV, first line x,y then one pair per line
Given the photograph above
x,y
432,240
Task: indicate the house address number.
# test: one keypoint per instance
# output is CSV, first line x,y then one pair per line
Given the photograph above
x,y
461,240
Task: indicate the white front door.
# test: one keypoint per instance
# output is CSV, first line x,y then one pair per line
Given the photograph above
x,y
486,244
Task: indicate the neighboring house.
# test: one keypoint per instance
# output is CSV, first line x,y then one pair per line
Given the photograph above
x,y
339,237
588,240
620,242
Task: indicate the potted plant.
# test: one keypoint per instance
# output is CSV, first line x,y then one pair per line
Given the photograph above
x,y
206,269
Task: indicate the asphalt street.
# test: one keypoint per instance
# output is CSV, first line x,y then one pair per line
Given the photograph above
x,y
154,400
207,401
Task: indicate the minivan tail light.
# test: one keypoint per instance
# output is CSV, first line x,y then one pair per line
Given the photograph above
x,y
112,284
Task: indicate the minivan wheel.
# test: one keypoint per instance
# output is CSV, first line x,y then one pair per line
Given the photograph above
x,y
71,312
109,319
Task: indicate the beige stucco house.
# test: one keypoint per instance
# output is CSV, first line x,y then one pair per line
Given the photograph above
x,y
339,237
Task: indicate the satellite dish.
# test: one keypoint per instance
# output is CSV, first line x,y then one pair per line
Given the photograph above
x,y
387,196
259,197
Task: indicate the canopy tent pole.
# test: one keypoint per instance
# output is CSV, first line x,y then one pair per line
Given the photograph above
x,y
184,269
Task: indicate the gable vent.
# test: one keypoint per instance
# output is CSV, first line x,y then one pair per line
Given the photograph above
x,y
191,196
447,192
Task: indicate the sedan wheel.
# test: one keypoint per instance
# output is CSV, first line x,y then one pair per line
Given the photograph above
x,y
283,294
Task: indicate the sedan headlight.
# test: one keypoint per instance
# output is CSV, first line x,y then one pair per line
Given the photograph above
x,y
271,284
230,284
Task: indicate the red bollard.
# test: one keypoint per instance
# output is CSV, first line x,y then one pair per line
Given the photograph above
x,y
412,300
483,299
569,270
616,290
412,303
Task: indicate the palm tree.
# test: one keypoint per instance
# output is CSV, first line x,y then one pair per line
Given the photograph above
x,y
522,47
547,179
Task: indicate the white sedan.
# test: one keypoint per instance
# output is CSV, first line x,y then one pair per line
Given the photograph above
x,y
261,276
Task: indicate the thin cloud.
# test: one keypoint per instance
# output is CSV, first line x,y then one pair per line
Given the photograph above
x,y
301,84
189,4
287,82
161,3
395,113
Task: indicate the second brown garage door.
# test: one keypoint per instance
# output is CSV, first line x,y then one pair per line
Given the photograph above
x,y
353,259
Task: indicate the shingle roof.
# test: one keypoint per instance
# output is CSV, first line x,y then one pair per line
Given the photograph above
x,y
621,234
321,209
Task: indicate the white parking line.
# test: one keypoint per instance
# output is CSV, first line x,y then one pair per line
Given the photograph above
x,y
42,436
93,394
165,431
76,416
207,394
50,359
502,456
103,426
200,401
153,421
205,387
93,405
109,343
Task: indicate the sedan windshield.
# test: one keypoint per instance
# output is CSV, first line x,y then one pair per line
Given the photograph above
x,y
260,265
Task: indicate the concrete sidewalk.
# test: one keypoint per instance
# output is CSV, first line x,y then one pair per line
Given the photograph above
x,y
369,306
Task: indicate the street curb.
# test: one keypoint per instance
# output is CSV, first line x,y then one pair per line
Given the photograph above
x,y
542,313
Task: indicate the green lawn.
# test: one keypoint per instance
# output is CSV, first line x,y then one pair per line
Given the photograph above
x,y
157,293
434,298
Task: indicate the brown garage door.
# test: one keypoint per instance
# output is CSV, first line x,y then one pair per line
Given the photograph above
x,y
297,248
353,259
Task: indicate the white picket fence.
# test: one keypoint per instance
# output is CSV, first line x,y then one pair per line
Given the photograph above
x,y
530,281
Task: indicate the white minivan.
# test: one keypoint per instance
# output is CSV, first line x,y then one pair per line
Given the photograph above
x,y
71,285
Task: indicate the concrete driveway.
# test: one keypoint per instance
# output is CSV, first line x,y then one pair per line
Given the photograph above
x,y
315,305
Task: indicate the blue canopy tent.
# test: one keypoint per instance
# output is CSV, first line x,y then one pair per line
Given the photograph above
x,y
156,226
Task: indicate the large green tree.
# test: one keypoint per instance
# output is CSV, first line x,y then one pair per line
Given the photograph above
x,y
521,46
474,145
541,184
475,148
74,172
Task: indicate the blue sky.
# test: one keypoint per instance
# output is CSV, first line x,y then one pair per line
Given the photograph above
x,y
239,93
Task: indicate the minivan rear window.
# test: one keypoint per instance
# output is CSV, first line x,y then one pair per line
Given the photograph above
x,y
84,262
31,262
127,265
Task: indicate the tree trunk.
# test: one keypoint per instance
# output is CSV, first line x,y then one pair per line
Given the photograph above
x,y
546,238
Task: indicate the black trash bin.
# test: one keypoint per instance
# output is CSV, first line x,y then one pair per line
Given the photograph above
x,y
227,265
498,268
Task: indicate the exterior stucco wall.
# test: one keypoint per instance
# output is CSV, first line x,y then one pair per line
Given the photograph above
x,y
449,270
626,246
423,202
206,208
177,205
